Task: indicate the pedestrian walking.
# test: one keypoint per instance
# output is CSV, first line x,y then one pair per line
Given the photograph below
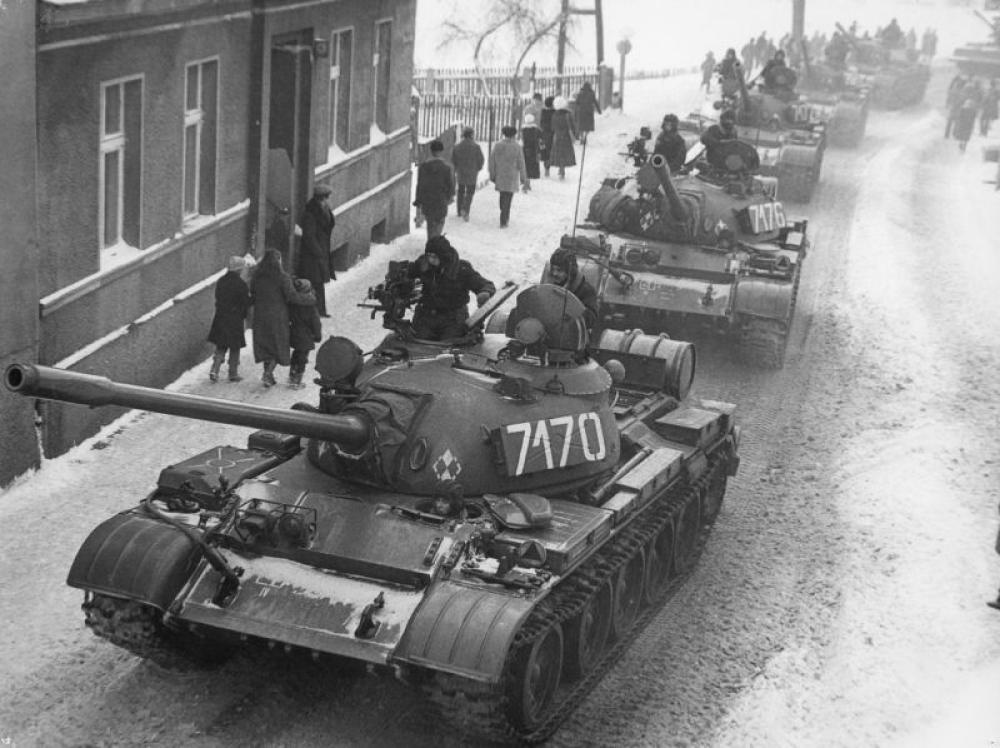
x,y
564,133
304,330
508,171
953,102
272,291
468,160
988,108
586,106
313,262
531,138
545,125
964,120
707,68
232,300
435,189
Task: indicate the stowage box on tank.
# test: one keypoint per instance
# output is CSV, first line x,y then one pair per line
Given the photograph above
x,y
489,515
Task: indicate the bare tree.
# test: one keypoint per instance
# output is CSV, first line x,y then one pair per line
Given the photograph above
x,y
528,22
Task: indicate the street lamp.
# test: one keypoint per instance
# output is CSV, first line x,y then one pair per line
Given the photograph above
x,y
623,47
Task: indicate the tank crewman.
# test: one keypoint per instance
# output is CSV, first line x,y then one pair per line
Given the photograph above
x,y
563,271
778,77
716,135
836,51
670,144
446,282
729,65
892,35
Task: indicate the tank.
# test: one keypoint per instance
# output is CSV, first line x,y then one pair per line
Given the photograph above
x,y
894,76
789,146
703,252
488,518
826,98
981,58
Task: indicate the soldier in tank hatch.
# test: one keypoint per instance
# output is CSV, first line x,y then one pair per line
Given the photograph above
x,y
716,135
446,282
670,144
563,271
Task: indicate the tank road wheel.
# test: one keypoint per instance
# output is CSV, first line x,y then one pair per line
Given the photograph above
x,y
587,633
628,585
534,680
688,526
762,343
712,501
659,558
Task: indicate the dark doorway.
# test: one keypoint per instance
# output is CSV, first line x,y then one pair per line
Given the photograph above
x,y
289,167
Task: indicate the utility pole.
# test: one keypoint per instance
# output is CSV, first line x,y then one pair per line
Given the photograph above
x,y
565,12
798,21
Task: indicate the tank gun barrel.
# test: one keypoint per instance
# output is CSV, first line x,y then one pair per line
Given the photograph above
x,y
851,38
349,431
657,166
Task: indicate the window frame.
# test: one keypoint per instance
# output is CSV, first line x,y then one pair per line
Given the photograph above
x,y
333,89
380,23
117,143
196,118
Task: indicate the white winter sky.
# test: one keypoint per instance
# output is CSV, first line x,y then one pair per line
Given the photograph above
x,y
678,33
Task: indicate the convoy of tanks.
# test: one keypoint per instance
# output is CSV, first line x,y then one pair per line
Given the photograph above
x,y
492,517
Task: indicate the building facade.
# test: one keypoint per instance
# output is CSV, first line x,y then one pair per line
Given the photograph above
x,y
172,134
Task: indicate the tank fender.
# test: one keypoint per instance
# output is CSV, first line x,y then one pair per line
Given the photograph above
x,y
136,557
761,297
463,630
799,156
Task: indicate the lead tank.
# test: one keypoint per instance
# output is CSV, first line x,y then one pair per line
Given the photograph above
x,y
707,251
487,518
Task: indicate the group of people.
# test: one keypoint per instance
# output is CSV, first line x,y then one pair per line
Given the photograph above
x,y
287,309
548,132
967,99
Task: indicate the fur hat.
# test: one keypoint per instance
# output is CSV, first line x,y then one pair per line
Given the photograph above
x,y
322,190
529,119
236,264
559,102
302,285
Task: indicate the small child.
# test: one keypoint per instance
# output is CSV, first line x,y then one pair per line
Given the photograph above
x,y
232,300
305,331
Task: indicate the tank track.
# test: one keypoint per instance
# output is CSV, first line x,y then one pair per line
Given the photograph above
x,y
138,628
480,709
763,341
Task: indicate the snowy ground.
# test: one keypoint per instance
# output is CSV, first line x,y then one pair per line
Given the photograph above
x,y
840,599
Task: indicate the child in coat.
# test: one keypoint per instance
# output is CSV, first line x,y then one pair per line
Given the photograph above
x,y
305,330
232,300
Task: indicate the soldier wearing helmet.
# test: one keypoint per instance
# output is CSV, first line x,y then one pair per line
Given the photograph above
x,y
563,271
670,144
717,135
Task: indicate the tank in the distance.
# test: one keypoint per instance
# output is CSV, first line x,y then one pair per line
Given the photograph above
x,y
486,517
707,252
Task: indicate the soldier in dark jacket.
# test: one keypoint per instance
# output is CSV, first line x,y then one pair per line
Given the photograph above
x,y
232,300
716,135
435,189
314,254
304,331
563,271
670,144
446,282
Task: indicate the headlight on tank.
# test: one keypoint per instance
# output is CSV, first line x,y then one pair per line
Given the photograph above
x,y
633,256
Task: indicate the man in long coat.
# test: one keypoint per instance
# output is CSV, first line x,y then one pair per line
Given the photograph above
x,y
563,135
314,251
435,189
508,171
468,160
586,105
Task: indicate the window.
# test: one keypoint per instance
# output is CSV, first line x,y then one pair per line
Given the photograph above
x,y
121,162
340,89
201,86
380,65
